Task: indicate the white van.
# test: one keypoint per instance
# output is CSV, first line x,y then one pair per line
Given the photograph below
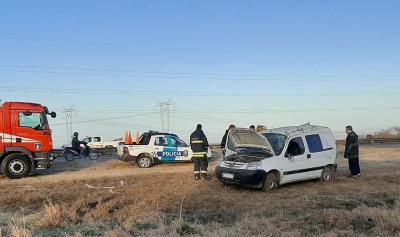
x,y
277,156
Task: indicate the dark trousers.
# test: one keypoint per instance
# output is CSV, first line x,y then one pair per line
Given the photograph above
x,y
354,166
200,165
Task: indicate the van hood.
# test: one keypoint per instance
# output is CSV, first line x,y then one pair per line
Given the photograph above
x,y
246,138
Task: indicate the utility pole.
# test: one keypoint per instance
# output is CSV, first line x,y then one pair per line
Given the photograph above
x,y
68,121
164,107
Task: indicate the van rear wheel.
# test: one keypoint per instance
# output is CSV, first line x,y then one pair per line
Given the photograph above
x,y
270,182
326,174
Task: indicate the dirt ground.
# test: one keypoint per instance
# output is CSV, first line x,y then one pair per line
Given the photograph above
x,y
109,197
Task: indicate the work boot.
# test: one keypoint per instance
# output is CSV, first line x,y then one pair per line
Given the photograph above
x,y
205,177
197,177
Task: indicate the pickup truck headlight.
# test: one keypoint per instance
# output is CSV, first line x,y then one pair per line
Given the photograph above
x,y
254,166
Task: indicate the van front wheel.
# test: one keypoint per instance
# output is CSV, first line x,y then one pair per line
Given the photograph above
x,y
270,182
326,174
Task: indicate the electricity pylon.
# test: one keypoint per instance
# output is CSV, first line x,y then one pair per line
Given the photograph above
x,y
68,121
164,107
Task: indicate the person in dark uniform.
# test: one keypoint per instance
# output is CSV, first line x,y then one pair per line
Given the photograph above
x,y
223,142
76,144
199,145
351,152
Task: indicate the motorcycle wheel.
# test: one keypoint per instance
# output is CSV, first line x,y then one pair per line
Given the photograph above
x,y
69,156
93,155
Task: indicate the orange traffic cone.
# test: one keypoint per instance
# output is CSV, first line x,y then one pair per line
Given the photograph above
x,y
137,137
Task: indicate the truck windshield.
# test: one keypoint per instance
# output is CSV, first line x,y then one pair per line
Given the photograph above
x,y
277,141
37,121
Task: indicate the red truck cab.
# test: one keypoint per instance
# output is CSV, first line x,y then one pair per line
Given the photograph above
x,y
25,138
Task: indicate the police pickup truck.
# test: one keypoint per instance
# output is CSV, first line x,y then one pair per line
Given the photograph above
x,y
155,147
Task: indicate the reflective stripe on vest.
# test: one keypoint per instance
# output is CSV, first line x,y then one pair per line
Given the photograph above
x,y
199,154
197,141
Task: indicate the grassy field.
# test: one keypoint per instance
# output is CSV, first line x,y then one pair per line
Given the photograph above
x,y
115,198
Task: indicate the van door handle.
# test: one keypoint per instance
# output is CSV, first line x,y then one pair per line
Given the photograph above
x,y
308,156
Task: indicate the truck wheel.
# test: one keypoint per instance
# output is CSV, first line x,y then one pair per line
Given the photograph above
x,y
270,182
144,162
326,174
16,166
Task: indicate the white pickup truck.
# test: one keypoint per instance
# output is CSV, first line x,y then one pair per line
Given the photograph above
x,y
155,147
98,142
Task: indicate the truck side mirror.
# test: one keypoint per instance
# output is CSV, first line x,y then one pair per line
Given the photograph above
x,y
53,114
27,113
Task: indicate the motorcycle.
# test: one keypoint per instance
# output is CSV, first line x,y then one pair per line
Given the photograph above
x,y
71,154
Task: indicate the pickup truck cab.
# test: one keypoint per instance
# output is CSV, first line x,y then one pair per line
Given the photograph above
x,y
155,147
98,142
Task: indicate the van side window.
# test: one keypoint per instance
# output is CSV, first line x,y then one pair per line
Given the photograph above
x,y
314,143
296,147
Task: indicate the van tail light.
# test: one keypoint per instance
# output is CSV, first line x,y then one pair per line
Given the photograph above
x,y
125,152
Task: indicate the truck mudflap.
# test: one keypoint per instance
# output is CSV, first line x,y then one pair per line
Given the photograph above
x,y
43,160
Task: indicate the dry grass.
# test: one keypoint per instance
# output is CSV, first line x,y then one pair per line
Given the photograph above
x,y
166,201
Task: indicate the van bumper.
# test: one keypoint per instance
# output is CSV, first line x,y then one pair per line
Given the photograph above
x,y
242,177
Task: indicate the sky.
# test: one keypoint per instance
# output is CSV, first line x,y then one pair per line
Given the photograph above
x,y
117,64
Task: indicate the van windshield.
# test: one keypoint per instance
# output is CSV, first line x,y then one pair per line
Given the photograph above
x,y
277,141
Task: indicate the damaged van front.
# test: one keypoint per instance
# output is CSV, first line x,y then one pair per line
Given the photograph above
x,y
246,151
278,156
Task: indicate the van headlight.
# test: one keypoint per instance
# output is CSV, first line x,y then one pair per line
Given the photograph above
x,y
254,166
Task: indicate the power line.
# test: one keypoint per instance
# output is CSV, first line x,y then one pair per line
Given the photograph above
x,y
104,119
164,107
195,74
275,78
68,120
209,94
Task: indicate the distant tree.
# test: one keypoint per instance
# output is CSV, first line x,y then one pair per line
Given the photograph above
x,y
393,132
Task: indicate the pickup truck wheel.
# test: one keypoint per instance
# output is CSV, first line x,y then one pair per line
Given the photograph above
x,y
326,174
270,182
16,166
144,162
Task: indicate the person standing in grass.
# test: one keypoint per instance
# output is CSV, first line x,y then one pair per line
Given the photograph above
x,y
199,145
351,152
